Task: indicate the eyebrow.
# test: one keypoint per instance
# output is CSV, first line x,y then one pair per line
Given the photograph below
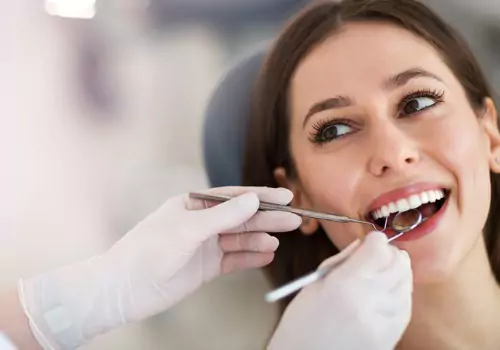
x,y
329,103
393,82
403,78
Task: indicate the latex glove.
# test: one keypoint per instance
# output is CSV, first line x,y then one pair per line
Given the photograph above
x,y
164,258
365,303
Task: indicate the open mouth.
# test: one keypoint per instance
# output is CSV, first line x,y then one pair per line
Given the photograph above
x,y
427,202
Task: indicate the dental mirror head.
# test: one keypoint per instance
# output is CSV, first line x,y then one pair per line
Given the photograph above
x,y
403,222
407,220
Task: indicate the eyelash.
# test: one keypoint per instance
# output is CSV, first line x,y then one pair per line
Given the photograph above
x,y
436,95
320,126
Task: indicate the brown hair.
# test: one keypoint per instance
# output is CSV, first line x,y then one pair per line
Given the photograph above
x,y
267,138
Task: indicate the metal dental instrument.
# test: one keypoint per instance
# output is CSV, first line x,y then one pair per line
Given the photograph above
x,y
300,212
398,225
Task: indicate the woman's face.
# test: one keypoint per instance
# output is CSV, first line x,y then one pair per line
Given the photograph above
x,y
380,123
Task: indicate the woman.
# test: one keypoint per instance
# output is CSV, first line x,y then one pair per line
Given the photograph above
x,y
369,107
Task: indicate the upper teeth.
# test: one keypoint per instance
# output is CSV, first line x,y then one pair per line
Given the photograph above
x,y
405,204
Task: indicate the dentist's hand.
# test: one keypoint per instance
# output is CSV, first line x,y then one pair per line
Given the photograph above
x,y
365,303
164,258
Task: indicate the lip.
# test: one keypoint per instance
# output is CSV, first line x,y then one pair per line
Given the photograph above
x,y
400,193
425,228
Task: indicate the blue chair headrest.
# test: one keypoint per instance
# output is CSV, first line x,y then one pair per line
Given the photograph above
x,y
226,120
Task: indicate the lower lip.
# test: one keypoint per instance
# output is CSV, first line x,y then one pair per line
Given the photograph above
x,y
425,228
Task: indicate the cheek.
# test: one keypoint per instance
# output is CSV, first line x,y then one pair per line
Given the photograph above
x,y
343,234
461,150
329,183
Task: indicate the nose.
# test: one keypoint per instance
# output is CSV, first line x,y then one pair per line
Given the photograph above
x,y
392,150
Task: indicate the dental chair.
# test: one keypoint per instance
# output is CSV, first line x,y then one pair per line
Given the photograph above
x,y
224,134
225,123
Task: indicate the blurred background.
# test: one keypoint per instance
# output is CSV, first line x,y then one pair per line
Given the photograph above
x,y
102,111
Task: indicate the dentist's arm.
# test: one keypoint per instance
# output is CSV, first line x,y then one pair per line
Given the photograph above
x,y
171,253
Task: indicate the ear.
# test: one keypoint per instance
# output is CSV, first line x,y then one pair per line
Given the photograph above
x,y
490,124
309,225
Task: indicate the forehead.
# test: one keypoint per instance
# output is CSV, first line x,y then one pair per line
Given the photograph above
x,y
360,57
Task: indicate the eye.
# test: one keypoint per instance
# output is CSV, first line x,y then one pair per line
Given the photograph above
x,y
418,104
329,131
420,100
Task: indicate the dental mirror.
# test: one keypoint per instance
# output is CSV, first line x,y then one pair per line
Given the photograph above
x,y
403,222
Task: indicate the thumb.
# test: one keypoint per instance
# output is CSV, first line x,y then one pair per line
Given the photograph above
x,y
341,256
227,215
373,254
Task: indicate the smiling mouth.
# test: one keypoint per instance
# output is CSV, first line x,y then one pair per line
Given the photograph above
x,y
427,202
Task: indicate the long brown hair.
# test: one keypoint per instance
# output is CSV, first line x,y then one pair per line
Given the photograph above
x,y
267,139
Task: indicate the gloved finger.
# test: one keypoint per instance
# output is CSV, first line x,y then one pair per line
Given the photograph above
x,y
398,299
392,328
245,260
224,216
402,311
398,271
395,330
269,221
404,288
341,256
280,195
373,255
248,242
407,280
396,305
390,277
394,296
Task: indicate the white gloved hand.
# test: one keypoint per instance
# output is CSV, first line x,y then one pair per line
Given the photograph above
x,y
365,303
165,257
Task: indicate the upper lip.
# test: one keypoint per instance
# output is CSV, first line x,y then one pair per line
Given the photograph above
x,y
399,193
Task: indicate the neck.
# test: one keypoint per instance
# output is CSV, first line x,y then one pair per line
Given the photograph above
x,y
462,312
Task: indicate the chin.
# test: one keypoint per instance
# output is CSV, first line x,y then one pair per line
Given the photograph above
x,y
438,257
